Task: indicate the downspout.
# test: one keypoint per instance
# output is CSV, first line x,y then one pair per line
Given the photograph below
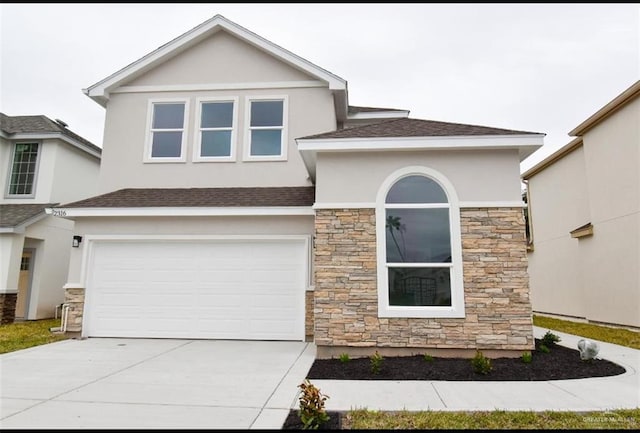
x,y
529,221
64,317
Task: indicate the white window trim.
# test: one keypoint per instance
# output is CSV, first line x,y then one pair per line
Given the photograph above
x,y
35,175
247,128
149,135
456,310
198,130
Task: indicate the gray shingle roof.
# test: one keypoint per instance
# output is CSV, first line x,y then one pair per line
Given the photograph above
x,y
12,215
201,197
39,125
405,127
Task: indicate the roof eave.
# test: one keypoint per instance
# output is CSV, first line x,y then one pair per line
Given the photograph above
x,y
551,159
99,91
22,226
152,211
617,103
310,147
54,135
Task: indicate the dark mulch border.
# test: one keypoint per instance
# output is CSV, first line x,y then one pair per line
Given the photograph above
x,y
560,363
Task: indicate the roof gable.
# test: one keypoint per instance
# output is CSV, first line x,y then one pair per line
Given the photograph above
x,y
99,92
221,58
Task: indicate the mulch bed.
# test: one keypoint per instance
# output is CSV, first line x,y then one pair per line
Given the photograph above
x,y
560,363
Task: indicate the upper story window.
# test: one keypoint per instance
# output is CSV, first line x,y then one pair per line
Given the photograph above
x,y
266,135
166,135
23,169
419,246
216,130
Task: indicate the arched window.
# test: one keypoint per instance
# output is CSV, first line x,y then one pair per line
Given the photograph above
x,y
419,246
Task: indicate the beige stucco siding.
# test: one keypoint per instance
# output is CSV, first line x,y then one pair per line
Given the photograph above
x,y
220,58
555,277
161,226
559,198
310,111
475,175
610,272
612,158
594,277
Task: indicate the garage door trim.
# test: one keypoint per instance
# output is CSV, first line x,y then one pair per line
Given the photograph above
x,y
92,240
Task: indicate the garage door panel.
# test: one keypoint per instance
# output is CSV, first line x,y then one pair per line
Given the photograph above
x,y
205,289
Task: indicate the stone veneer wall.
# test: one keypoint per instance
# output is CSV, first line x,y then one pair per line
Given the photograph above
x,y
7,307
74,298
496,288
308,316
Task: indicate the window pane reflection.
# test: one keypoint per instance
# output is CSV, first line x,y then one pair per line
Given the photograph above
x,y
419,286
418,236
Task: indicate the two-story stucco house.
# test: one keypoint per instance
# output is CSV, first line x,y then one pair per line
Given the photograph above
x,y
243,197
43,163
584,204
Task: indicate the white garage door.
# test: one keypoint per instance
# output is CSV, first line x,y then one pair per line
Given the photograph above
x,y
232,289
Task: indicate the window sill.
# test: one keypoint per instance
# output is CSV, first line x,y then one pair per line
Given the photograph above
x,y
420,312
263,158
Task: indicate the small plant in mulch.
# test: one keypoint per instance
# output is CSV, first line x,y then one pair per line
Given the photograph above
x,y
550,339
344,357
481,364
428,357
376,362
543,348
526,357
312,412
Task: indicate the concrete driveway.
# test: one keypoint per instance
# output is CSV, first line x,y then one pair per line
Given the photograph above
x,y
149,383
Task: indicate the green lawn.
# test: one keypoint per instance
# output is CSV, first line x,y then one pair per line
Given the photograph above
x,y
26,334
623,337
503,420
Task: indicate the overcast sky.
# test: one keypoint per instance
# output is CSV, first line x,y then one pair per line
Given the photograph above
x,y
532,67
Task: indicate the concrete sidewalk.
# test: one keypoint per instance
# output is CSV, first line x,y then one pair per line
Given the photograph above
x,y
103,383
603,393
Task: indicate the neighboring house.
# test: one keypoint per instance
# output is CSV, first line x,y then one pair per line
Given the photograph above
x,y
43,164
584,203
244,198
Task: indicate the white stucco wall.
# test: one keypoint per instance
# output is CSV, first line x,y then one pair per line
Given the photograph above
x,y
355,177
232,68
51,237
63,173
5,165
10,256
75,175
310,111
221,58
237,225
44,178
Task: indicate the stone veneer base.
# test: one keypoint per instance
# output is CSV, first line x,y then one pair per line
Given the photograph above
x,y
328,352
8,308
496,287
